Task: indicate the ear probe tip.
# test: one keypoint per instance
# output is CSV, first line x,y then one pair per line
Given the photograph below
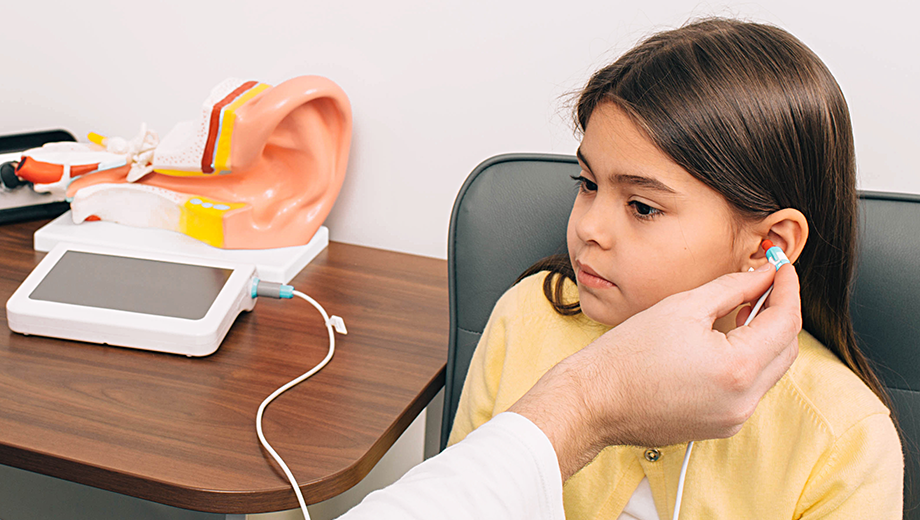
x,y
766,245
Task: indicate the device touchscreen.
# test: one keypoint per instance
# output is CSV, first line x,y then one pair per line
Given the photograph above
x,y
132,284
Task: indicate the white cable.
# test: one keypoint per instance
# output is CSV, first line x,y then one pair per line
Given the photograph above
x,y
683,468
680,481
330,323
757,306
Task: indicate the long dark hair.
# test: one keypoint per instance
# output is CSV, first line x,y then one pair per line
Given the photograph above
x,y
754,114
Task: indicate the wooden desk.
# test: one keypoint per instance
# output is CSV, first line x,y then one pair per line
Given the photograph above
x,y
181,431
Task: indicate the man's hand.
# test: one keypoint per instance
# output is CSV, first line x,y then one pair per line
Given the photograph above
x,y
665,376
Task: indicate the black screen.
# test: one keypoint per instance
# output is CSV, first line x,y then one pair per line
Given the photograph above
x,y
132,284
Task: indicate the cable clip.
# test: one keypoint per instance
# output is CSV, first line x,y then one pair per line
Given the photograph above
x,y
338,324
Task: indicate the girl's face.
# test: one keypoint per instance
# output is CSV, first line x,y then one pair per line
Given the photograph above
x,y
642,228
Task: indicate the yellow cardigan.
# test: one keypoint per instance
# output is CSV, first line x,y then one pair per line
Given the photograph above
x,y
820,444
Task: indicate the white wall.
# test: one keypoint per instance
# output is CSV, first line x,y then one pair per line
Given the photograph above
x,y
436,87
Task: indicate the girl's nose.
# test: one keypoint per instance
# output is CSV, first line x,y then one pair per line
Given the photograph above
x,y
594,224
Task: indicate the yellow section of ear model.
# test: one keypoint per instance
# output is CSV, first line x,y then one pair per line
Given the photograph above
x,y
203,219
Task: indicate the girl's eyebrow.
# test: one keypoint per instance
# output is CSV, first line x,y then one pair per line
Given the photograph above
x,y
634,180
643,182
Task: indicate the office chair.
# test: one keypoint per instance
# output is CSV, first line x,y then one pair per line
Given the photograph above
x,y
513,210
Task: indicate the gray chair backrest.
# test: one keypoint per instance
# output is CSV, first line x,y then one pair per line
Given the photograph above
x,y
513,210
885,307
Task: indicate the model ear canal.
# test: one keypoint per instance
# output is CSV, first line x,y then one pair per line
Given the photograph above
x,y
8,176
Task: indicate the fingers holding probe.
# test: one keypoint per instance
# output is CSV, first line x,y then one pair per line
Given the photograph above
x,y
771,339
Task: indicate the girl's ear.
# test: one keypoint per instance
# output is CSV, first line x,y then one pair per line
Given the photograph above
x,y
786,228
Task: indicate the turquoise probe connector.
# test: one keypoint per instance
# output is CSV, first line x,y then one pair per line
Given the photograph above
x,y
775,255
271,289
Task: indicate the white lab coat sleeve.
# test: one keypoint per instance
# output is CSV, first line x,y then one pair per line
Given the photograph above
x,y
506,469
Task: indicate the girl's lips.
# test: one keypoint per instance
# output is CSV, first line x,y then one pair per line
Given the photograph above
x,y
588,277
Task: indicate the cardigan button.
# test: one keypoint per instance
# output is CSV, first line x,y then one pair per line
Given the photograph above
x,y
652,455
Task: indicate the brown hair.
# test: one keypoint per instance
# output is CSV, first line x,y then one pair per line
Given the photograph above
x,y
754,114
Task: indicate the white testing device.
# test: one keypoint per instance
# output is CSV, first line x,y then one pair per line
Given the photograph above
x,y
152,301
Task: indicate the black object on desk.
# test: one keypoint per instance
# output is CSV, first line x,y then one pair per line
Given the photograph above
x,y
21,203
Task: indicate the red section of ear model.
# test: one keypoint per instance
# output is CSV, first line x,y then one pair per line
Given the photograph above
x,y
207,158
46,173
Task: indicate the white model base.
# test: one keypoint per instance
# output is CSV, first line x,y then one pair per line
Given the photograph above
x,y
273,265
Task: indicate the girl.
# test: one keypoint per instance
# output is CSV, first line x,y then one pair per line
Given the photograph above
x,y
697,145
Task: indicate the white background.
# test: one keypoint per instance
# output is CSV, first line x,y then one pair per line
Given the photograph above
x,y
436,87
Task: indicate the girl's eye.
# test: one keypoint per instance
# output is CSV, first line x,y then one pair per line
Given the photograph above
x,y
584,184
644,211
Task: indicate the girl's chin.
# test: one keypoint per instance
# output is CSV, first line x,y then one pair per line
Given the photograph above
x,y
600,313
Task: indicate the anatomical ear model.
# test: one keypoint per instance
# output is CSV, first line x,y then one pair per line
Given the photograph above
x,y
260,168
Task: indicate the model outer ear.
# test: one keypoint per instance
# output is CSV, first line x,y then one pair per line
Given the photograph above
x,y
299,134
288,156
